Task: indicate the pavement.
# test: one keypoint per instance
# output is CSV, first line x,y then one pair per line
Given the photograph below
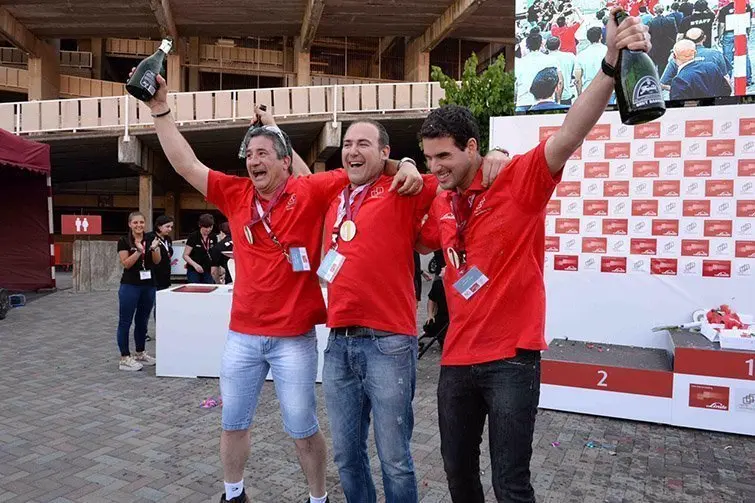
x,y
75,429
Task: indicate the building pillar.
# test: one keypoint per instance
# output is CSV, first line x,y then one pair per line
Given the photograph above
x,y
416,64
194,48
98,52
301,64
145,199
44,74
175,73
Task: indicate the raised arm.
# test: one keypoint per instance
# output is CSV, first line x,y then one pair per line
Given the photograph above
x,y
298,166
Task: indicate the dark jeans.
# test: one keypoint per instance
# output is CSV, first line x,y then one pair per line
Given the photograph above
x,y
193,276
507,392
135,304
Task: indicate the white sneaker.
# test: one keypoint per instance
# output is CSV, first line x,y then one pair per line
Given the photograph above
x,y
144,359
129,364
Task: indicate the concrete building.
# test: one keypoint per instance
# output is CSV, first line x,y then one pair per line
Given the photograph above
x,y
318,63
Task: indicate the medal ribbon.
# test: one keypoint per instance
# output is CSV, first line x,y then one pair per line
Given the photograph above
x,y
461,206
344,210
260,215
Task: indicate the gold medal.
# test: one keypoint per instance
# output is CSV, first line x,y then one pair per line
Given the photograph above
x,y
453,257
248,234
348,230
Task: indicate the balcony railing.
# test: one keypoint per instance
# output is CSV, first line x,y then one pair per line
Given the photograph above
x,y
130,47
123,113
75,59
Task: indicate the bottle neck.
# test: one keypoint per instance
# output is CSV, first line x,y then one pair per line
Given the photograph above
x,y
165,46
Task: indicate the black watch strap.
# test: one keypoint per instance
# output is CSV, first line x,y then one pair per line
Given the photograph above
x,y
608,69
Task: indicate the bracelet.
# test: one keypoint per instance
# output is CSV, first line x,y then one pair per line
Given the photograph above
x,y
406,159
161,115
609,70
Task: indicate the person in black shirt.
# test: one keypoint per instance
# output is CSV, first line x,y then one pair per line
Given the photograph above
x,y
702,18
163,230
221,254
197,251
136,295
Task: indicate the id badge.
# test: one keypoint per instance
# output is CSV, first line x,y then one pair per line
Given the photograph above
x,y
470,283
330,265
299,259
145,275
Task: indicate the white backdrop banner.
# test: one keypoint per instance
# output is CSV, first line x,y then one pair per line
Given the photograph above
x,y
649,223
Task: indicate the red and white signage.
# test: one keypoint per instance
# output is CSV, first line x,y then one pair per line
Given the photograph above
x,y
81,225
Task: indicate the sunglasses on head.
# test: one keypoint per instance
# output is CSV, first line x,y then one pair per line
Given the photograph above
x,y
273,129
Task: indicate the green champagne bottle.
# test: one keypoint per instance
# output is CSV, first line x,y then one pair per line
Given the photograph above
x,y
143,83
638,89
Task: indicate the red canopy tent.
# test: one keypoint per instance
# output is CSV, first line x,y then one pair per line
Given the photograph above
x,y
26,261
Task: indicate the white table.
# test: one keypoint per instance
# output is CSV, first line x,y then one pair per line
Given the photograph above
x,y
191,330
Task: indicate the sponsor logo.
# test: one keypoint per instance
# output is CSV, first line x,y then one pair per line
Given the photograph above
x,y
717,268
663,266
744,229
665,227
640,246
722,250
647,91
591,226
553,207
377,192
593,152
744,400
594,245
597,169
599,132
641,188
592,189
747,189
619,246
720,148
692,187
547,131
567,226
577,155
746,127
669,248
698,168
618,150
695,208
552,243
744,270
615,226
622,170
569,189
613,264
650,130
570,245
673,129
748,147
639,265
719,188
646,169
668,149
640,227
645,208
448,216
745,249
573,170
291,203
725,127
595,207
725,168
666,188
746,167
689,268
694,129
704,396
671,208
590,264
718,228
566,262
694,148
695,247
723,209
620,208
643,150
623,131
616,188
572,208
672,168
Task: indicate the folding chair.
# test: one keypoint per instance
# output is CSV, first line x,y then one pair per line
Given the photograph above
x,y
437,336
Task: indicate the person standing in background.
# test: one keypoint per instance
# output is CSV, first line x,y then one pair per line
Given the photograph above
x,y
221,254
663,30
197,251
161,270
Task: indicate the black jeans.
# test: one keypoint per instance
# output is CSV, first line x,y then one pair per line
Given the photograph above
x,y
507,391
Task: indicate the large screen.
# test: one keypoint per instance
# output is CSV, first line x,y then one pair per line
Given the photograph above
x,y
701,48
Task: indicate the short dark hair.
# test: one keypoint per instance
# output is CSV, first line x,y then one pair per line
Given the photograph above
x,y
675,6
225,228
206,220
383,138
544,84
162,220
594,34
534,41
451,121
281,142
561,21
600,14
643,8
553,43
701,6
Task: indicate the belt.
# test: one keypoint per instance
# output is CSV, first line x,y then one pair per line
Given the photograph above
x,y
356,331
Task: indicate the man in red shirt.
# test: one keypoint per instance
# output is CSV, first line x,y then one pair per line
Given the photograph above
x,y
494,245
277,299
566,33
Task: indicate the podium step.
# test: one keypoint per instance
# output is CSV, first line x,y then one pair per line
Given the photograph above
x,y
696,355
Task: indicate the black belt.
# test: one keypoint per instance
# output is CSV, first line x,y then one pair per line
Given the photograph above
x,y
356,331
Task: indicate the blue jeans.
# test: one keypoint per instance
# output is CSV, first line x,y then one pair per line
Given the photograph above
x,y
193,276
135,303
246,361
507,392
727,45
372,371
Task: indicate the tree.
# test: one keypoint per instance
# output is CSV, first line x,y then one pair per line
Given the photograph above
x,y
489,94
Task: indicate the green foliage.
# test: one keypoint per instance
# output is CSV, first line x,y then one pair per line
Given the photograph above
x,y
488,94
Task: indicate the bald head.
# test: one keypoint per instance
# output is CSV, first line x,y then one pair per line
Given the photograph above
x,y
658,9
684,51
696,35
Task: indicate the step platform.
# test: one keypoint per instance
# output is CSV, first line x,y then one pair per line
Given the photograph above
x,y
607,380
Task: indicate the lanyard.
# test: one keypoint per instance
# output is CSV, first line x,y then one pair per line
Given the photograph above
x,y
345,212
265,222
462,210
163,243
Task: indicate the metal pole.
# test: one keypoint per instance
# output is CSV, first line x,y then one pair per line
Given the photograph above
x,y
125,105
335,105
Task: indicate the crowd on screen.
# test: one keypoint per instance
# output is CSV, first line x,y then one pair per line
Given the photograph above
x,y
559,49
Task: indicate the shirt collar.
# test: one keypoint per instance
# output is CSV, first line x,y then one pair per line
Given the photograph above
x,y
476,186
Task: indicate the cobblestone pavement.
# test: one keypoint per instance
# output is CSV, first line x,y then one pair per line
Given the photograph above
x,y
75,429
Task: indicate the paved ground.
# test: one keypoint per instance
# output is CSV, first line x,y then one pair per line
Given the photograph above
x,y
74,429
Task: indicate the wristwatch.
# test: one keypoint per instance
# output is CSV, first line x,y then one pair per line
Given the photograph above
x,y
608,69
406,159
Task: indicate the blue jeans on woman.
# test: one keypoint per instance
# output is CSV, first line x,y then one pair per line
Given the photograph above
x,y
135,304
193,276
370,371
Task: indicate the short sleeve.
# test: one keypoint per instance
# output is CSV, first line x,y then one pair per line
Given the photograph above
x,y
529,180
226,192
327,185
426,197
123,245
429,234
193,239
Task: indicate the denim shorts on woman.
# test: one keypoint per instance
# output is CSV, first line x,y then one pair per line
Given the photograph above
x,y
245,364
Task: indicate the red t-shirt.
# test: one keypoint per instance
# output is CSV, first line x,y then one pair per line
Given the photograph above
x,y
269,298
566,35
375,286
505,239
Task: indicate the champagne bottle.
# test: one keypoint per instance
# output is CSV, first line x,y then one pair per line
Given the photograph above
x,y
638,89
143,83
257,123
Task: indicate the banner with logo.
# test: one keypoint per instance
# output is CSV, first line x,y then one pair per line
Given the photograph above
x,y
649,223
